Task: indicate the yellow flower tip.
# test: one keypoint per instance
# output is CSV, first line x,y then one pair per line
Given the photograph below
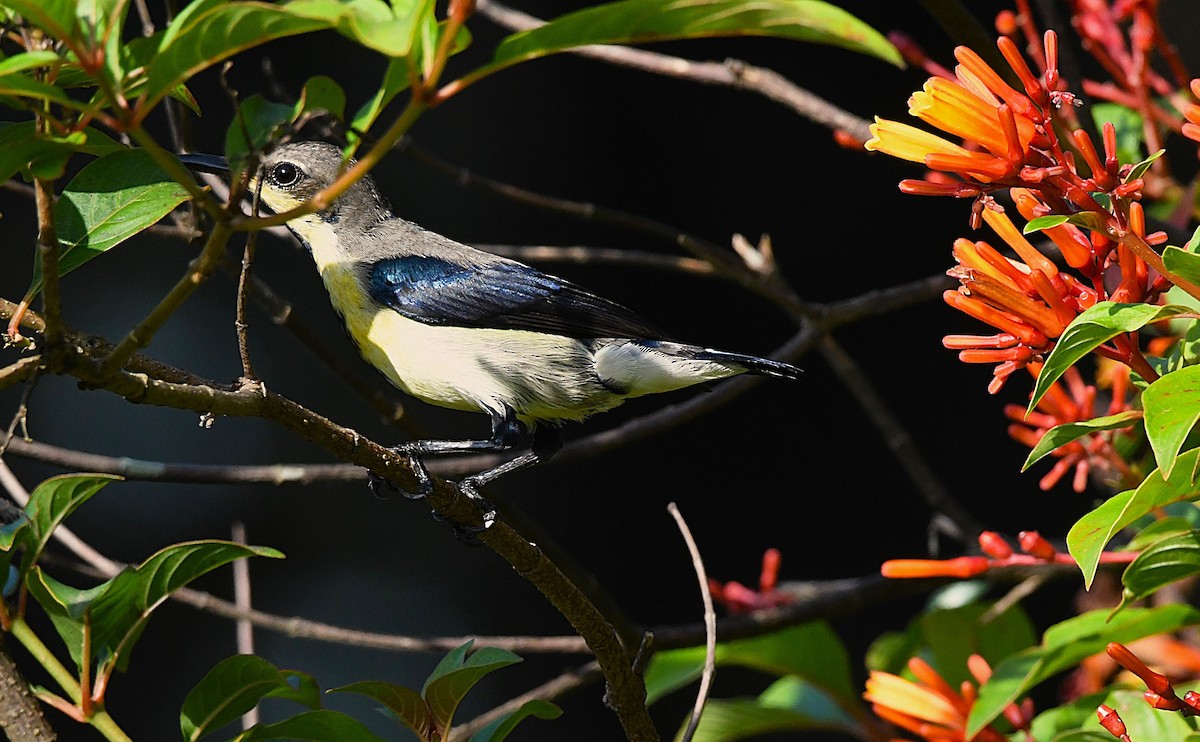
x,y
908,142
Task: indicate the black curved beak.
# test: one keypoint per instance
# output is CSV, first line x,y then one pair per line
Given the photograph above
x,y
202,163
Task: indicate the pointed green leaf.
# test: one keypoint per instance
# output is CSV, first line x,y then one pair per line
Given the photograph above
x,y
299,687
499,729
1182,262
321,93
453,678
1066,644
66,606
1092,328
1049,221
109,201
119,615
1091,533
1167,561
1157,531
55,17
1061,435
1140,169
643,21
233,687
29,61
1172,405
53,500
214,31
312,726
405,704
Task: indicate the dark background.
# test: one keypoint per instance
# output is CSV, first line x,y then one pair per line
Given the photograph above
x,y
789,465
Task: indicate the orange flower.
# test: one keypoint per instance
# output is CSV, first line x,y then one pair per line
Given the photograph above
x,y
976,106
1029,300
929,708
1191,129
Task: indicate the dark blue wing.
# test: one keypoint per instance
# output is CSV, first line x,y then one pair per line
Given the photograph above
x,y
501,295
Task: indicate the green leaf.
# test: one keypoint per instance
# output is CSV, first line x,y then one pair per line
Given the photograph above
x,y
230,689
812,651
108,202
1172,405
66,606
1061,435
790,704
299,687
1193,244
1091,533
1157,531
1140,169
389,29
321,94
395,81
312,726
644,21
1182,262
55,17
119,615
212,31
1045,222
499,729
22,148
1171,559
1092,328
29,61
405,704
453,678
52,501
1063,646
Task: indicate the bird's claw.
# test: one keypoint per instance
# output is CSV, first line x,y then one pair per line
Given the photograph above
x,y
384,488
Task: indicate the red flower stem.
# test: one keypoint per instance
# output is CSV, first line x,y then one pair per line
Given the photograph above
x,y
1154,260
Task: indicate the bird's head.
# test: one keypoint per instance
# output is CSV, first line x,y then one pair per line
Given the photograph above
x,y
293,173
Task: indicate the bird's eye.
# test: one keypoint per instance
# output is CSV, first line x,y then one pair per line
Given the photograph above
x,y
285,174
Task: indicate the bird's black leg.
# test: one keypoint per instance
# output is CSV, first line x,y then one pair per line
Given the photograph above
x,y
546,442
507,432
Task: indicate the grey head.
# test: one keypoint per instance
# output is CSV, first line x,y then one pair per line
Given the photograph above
x,y
294,172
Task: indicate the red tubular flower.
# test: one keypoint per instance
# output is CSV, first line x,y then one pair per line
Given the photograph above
x,y
960,567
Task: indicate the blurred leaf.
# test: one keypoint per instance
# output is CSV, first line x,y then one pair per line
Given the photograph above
x,y
812,651
119,615
1091,533
1127,124
52,501
29,61
55,17
954,635
1171,559
230,689
453,678
388,29
1063,646
789,704
499,729
1157,531
1061,435
1172,405
1094,326
644,21
22,148
405,704
207,32
261,120
312,726
300,687
322,93
1182,262
109,201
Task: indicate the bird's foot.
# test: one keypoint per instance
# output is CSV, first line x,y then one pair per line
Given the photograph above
x,y
384,488
488,513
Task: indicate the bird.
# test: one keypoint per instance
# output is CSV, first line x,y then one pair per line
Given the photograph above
x,y
466,329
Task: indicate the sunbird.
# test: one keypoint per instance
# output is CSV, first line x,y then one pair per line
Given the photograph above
x,y
466,329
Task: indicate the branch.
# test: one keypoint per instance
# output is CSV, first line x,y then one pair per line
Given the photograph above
x,y
20,716
731,74
710,626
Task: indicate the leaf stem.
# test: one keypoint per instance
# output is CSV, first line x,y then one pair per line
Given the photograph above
x,y
99,719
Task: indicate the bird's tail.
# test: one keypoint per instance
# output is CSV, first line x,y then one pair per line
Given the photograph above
x,y
752,364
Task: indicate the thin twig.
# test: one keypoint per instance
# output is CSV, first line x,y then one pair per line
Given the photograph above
x,y
710,626
47,247
21,416
241,598
239,324
731,73
559,686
